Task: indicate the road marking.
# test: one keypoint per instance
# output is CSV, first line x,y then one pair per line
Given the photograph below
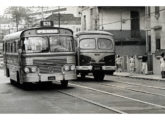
x,y
105,92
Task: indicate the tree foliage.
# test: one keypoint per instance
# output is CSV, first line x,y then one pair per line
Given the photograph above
x,y
18,14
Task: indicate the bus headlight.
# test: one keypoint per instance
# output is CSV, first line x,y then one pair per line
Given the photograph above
x,y
66,67
27,70
34,69
72,67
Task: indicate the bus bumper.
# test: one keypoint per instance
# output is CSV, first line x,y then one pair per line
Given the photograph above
x,y
113,68
49,77
79,68
90,68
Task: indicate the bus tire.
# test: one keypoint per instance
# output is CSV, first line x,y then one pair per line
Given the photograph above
x,y
111,73
99,76
82,76
12,81
64,83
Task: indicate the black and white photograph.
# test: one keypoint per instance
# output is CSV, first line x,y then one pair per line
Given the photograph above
x,y
82,59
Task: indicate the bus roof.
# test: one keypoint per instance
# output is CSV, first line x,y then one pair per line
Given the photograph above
x,y
18,34
93,32
15,35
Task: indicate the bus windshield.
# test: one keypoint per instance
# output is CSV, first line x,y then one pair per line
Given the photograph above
x,y
48,44
36,44
60,44
104,43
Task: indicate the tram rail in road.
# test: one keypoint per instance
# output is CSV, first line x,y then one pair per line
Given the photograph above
x,y
121,96
134,90
93,102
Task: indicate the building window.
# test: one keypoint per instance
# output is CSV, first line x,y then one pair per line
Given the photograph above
x,y
84,22
148,12
135,24
157,12
158,39
149,43
158,44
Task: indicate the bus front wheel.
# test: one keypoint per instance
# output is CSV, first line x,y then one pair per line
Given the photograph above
x,y
64,83
82,76
99,76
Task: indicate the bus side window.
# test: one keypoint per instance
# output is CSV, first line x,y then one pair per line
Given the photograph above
x,y
11,47
15,46
4,47
8,47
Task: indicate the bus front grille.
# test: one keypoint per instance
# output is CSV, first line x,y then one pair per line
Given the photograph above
x,y
50,69
49,65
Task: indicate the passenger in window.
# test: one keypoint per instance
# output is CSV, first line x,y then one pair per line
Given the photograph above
x,y
27,44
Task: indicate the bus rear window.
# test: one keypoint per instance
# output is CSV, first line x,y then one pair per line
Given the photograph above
x,y
87,43
104,43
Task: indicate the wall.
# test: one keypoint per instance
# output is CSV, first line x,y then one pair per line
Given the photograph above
x,y
85,12
110,17
130,50
157,24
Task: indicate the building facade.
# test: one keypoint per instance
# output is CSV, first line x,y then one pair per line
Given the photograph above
x,y
66,21
156,35
126,23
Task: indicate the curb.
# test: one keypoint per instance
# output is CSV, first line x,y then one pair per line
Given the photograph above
x,y
140,77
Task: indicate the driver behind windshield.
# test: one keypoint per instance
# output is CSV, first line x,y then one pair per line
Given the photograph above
x,y
56,46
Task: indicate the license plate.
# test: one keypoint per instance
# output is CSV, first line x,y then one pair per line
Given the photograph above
x,y
97,68
51,78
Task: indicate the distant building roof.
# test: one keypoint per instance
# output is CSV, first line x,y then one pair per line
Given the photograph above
x,y
64,19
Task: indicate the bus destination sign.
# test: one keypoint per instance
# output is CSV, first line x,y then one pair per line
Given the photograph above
x,y
47,31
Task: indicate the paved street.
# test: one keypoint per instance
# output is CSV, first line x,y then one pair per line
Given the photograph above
x,y
115,94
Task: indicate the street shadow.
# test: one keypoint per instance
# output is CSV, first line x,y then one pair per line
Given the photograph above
x,y
88,79
44,86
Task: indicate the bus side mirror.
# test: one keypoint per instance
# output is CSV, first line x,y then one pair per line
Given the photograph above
x,y
19,51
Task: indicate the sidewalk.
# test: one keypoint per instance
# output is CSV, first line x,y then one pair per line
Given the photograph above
x,y
141,76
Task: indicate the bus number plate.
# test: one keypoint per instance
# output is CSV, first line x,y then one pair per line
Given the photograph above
x,y
51,78
97,68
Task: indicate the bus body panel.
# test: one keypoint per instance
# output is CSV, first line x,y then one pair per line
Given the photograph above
x,y
28,61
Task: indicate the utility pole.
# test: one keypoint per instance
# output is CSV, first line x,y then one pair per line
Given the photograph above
x,y
42,12
59,16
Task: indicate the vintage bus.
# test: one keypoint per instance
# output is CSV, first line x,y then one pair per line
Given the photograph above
x,y
95,53
44,54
